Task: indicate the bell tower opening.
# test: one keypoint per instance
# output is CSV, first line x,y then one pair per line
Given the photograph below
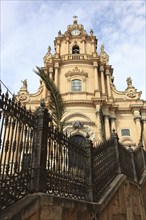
x,y
75,49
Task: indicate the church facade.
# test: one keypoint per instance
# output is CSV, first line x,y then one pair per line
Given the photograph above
x,y
86,82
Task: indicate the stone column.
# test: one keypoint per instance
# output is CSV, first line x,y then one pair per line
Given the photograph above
x,y
51,73
58,47
93,45
108,82
137,119
144,132
57,74
84,45
45,90
102,79
107,126
67,45
143,114
138,127
96,80
113,123
99,128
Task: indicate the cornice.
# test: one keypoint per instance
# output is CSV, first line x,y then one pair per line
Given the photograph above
x,y
84,123
124,109
78,102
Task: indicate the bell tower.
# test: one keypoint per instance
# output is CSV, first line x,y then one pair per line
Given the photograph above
x,y
76,66
82,75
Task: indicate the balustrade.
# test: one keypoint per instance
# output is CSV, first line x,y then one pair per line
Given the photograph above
x,y
76,57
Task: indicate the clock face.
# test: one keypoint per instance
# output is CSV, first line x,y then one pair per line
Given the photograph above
x,y
75,32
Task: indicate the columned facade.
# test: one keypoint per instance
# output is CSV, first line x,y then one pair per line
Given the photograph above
x,y
86,82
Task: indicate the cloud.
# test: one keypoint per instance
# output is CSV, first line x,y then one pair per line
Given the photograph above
x,y
28,27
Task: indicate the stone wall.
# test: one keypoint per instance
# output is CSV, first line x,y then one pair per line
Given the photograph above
x,y
124,200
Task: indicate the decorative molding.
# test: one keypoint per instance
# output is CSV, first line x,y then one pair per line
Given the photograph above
x,y
24,98
89,123
131,92
76,72
77,124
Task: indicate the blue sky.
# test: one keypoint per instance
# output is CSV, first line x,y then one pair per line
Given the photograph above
x,y
28,27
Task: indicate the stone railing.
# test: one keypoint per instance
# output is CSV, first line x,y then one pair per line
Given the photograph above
x,y
76,57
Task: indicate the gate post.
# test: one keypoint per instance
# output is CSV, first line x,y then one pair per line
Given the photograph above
x,y
115,137
133,163
89,172
39,151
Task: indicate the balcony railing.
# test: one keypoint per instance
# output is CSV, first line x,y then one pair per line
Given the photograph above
x,y
76,57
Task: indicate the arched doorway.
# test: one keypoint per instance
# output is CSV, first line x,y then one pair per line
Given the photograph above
x,y
78,139
76,158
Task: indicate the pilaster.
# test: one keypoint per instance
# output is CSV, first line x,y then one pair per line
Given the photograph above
x,y
99,126
51,73
137,119
113,122
96,77
108,82
107,126
143,119
102,79
57,74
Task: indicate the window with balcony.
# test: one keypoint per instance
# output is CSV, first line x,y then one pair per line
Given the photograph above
x,y
76,85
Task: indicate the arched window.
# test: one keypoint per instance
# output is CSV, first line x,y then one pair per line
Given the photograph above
x,y
76,85
75,49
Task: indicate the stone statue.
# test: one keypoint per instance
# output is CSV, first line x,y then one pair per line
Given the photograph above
x,y
48,55
49,49
59,33
129,82
104,58
91,32
24,86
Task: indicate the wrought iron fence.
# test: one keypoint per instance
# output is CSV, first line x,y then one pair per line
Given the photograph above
x,y
139,160
35,157
105,167
16,144
66,166
126,162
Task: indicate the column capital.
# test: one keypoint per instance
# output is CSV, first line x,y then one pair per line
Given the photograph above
x,y
51,70
113,118
101,68
106,116
56,65
95,64
107,72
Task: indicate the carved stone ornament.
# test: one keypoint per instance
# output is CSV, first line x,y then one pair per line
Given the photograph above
x,y
76,71
48,55
75,26
104,58
131,92
23,98
77,124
